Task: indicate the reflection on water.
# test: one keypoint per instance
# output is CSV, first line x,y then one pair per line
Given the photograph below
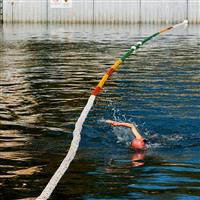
x,y
47,74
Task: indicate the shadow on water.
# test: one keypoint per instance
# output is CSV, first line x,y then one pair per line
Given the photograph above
x,y
47,74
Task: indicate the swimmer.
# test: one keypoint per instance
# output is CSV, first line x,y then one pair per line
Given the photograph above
x,y
139,141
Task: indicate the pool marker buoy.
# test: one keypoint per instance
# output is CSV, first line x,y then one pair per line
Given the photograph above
x,y
46,193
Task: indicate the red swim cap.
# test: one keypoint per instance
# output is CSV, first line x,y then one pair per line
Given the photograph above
x,y
138,144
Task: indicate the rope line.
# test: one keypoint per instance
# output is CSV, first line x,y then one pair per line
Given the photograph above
x,y
71,153
46,193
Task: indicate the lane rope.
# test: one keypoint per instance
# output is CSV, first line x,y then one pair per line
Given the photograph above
x,y
46,193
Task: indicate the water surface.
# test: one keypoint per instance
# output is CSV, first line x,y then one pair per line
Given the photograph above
x,y
47,75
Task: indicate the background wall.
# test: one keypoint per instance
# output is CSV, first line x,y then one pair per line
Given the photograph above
x,y
103,11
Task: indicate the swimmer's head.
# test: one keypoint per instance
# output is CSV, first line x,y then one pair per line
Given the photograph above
x,y
138,144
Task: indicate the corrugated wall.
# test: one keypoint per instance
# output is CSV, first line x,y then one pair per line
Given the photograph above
x,y
103,11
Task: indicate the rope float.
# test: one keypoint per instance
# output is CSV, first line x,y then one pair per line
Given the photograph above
x,y
46,193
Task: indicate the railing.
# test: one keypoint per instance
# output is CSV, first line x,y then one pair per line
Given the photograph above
x,y
102,11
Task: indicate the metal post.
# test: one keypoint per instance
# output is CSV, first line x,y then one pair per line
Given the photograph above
x,y
140,12
47,11
12,3
93,10
1,11
187,7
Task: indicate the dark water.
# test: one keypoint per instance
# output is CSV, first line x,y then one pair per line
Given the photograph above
x,y
47,74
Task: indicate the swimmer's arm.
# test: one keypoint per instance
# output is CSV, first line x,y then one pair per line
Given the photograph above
x,y
114,123
129,125
136,132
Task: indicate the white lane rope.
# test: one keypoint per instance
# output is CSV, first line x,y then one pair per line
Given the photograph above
x,y
46,193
